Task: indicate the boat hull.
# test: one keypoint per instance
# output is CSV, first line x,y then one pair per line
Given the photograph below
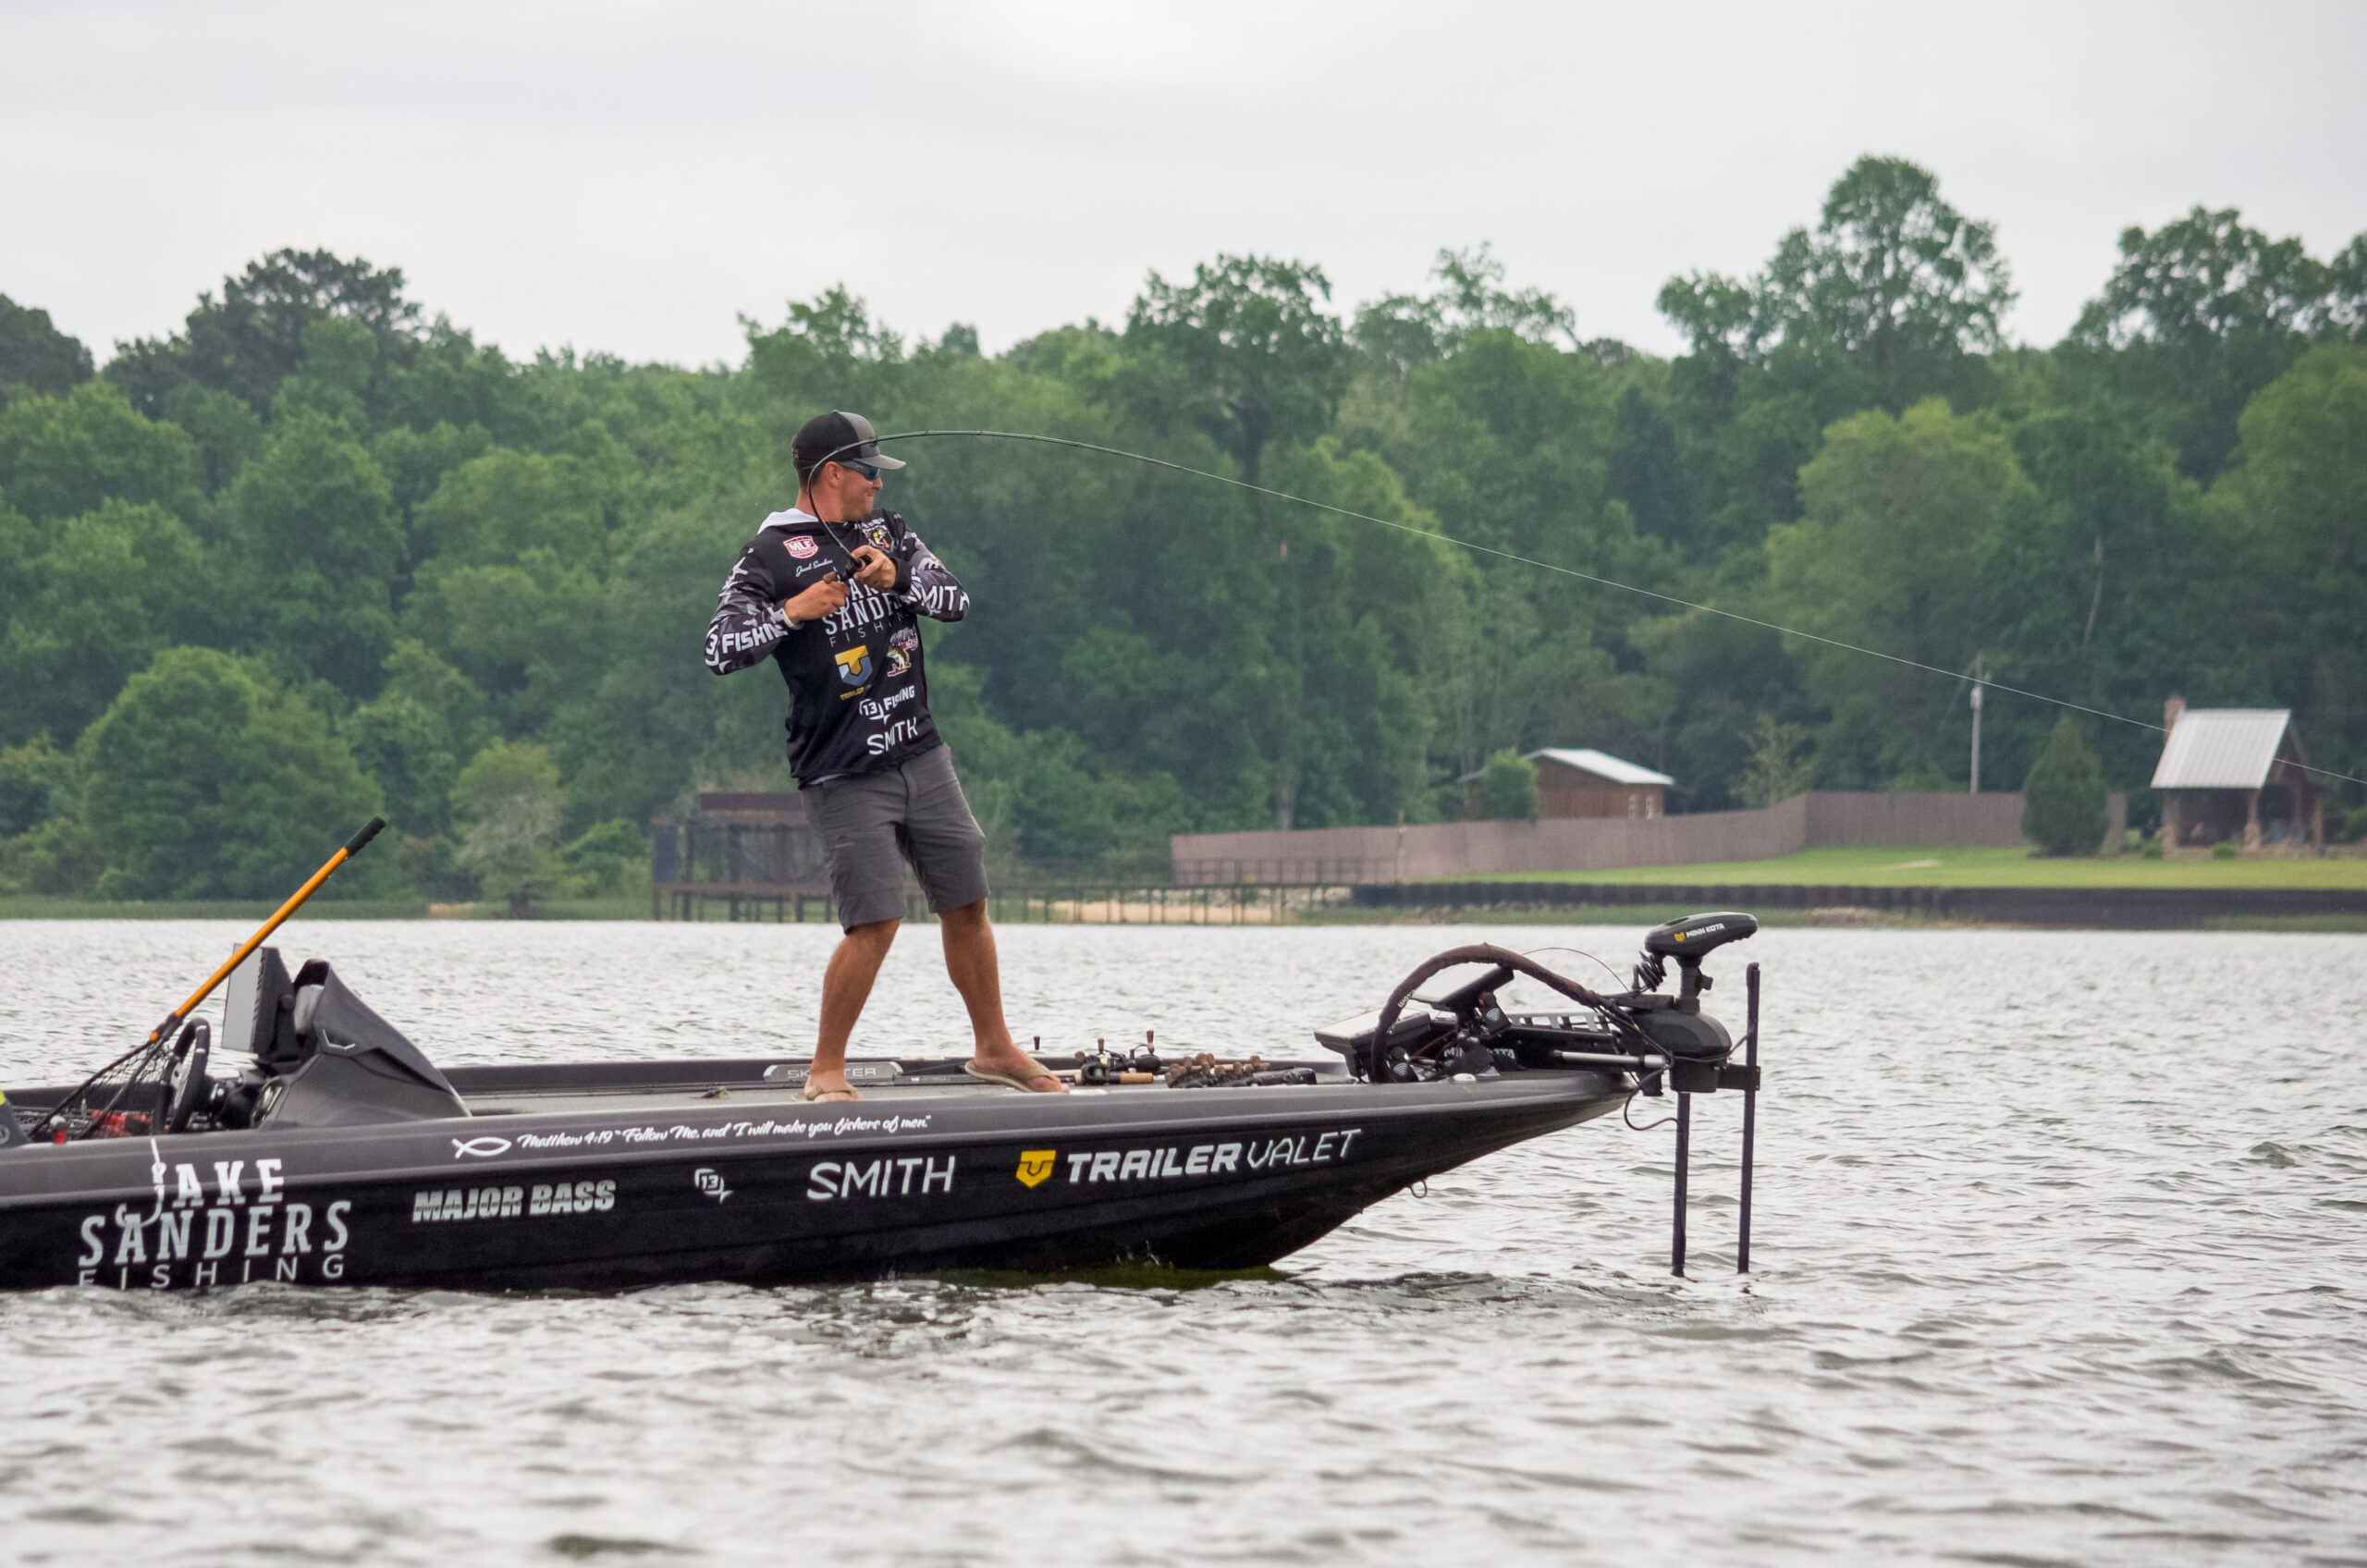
x,y
774,1193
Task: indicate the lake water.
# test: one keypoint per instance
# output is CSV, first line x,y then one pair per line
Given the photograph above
x,y
2061,1247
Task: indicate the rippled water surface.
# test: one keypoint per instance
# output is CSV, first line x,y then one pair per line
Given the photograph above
x,y
2059,1252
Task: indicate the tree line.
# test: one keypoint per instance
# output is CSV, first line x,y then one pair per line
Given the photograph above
x,y
319,554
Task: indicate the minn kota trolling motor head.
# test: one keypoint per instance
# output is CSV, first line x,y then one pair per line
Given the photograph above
x,y
1689,941
1697,1045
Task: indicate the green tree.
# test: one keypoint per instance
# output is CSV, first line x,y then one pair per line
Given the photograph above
x,y
63,456
314,547
226,431
448,378
1246,350
208,780
35,357
412,736
335,375
607,859
1508,787
2064,809
44,844
1646,473
1902,518
2100,590
20,545
492,508
2293,507
2346,305
1710,680
112,589
37,782
526,632
1401,331
2198,315
253,337
412,754
1151,653
1776,770
510,800
1893,298
1893,277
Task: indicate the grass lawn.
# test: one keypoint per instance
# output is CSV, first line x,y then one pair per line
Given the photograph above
x,y
1961,866
41,906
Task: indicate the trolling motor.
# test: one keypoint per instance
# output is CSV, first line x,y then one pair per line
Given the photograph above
x,y
1698,1049
1697,1045
1662,1042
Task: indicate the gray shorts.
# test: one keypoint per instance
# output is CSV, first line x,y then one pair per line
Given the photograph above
x,y
874,824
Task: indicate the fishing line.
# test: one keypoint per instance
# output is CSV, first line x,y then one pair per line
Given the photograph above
x,y
1542,565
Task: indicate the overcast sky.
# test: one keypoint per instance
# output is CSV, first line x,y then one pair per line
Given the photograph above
x,y
634,176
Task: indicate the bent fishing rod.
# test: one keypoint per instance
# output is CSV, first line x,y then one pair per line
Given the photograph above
x,y
1478,548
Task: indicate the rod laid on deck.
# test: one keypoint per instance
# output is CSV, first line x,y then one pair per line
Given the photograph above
x,y
1749,1115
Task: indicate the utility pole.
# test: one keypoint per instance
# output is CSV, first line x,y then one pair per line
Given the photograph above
x,y
1976,723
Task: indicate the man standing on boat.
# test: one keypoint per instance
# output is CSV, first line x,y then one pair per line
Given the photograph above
x,y
832,591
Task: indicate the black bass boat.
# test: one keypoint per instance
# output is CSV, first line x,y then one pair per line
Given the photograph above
x,y
334,1152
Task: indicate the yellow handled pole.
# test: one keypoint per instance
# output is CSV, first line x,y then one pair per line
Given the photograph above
x,y
353,847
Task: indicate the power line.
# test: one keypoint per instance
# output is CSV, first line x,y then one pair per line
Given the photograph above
x,y
1563,570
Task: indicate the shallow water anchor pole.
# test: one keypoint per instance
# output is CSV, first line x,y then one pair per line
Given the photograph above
x,y
1749,1115
1684,1153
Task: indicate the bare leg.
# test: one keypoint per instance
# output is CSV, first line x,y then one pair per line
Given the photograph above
x,y
970,963
846,985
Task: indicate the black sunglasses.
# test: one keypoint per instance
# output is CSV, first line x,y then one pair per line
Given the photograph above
x,y
870,475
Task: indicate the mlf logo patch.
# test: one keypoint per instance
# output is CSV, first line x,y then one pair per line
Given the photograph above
x,y
1036,1166
855,665
802,546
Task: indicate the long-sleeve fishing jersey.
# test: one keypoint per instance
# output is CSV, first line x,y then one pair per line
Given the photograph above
x,y
858,698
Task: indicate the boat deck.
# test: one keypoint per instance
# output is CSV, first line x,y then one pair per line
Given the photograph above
x,y
529,1090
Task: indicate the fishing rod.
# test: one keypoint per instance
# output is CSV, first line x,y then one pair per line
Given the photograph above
x,y
174,1018
1478,548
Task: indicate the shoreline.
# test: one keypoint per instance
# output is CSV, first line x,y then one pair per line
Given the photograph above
x,y
1834,916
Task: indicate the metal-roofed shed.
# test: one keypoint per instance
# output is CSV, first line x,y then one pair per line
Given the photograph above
x,y
2235,775
1581,781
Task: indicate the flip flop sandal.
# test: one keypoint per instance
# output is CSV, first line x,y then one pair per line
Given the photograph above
x,y
813,1096
1013,1080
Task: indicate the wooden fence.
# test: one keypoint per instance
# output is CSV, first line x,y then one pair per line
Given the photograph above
x,y
1432,850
